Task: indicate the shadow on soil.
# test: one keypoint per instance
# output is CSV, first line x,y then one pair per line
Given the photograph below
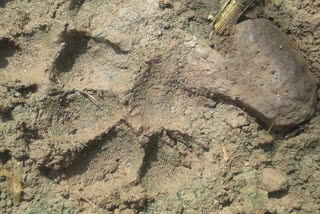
x,y
7,49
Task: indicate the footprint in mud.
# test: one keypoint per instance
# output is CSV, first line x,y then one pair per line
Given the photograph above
x,y
85,63
109,168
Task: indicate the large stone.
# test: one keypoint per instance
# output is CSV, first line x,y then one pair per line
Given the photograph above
x,y
262,73
273,180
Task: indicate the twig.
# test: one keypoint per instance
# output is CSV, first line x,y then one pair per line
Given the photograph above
x,y
85,94
225,153
270,127
91,98
85,199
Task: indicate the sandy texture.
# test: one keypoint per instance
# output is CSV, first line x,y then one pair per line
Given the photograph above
x,y
94,107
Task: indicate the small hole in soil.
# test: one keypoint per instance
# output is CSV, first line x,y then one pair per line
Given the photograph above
x,y
7,49
268,149
151,154
278,194
75,4
270,212
271,19
5,156
25,91
5,116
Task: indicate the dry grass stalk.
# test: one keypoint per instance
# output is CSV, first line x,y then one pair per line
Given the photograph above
x,y
14,182
270,127
228,14
225,153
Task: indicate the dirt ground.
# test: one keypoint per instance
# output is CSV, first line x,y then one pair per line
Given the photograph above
x,y
94,110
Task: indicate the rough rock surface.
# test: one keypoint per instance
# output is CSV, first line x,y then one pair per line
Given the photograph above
x,y
263,74
273,180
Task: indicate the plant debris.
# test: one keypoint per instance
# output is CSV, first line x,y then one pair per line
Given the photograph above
x,y
14,182
228,14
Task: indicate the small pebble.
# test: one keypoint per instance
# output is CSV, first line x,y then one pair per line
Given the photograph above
x,y
9,203
3,195
273,180
17,94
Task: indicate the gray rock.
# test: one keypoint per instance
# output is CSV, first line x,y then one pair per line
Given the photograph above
x,y
263,74
273,180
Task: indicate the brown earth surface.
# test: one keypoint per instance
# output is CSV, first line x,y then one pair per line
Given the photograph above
x,y
97,114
